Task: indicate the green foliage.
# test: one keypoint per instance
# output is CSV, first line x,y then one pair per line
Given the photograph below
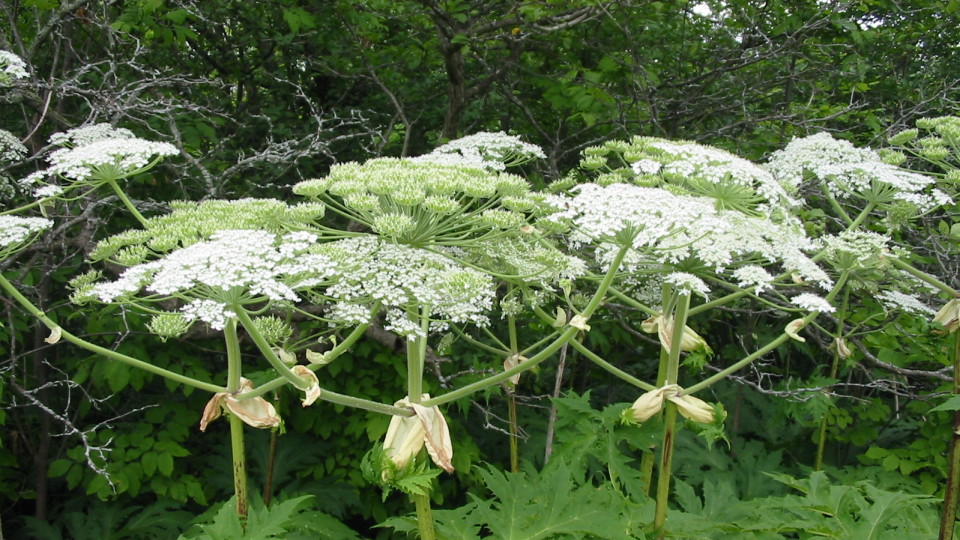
x,y
822,510
552,503
415,478
604,447
90,519
295,518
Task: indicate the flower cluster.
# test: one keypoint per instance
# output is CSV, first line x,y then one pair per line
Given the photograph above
x,y
901,302
940,147
111,159
214,277
493,151
851,172
192,222
812,302
11,149
691,168
854,249
668,229
81,136
530,263
403,279
417,202
97,154
15,231
11,67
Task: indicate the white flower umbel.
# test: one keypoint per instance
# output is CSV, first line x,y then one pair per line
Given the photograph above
x,y
897,301
812,302
854,249
402,278
81,136
494,151
668,229
705,170
233,268
850,172
529,262
11,149
15,231
687,283
108,159
419,202
690,168
192,222
11,67
753,276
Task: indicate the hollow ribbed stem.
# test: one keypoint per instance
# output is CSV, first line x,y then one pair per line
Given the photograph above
x,y
424,517
237,451
102,351
682,300
512,398
617,372
416,355
666,465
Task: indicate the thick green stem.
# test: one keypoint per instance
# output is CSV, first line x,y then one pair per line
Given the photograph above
x,y
102,351
619,373
666,465
514,448
925,277
511,398
424,517
127,202
647,462
416,356
682,300
596,359
864,214
948,518
236,425
834,368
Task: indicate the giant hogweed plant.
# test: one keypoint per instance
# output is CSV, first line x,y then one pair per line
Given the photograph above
x,y
443,242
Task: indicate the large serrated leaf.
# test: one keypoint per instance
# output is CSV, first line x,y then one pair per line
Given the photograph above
x,y
552,506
